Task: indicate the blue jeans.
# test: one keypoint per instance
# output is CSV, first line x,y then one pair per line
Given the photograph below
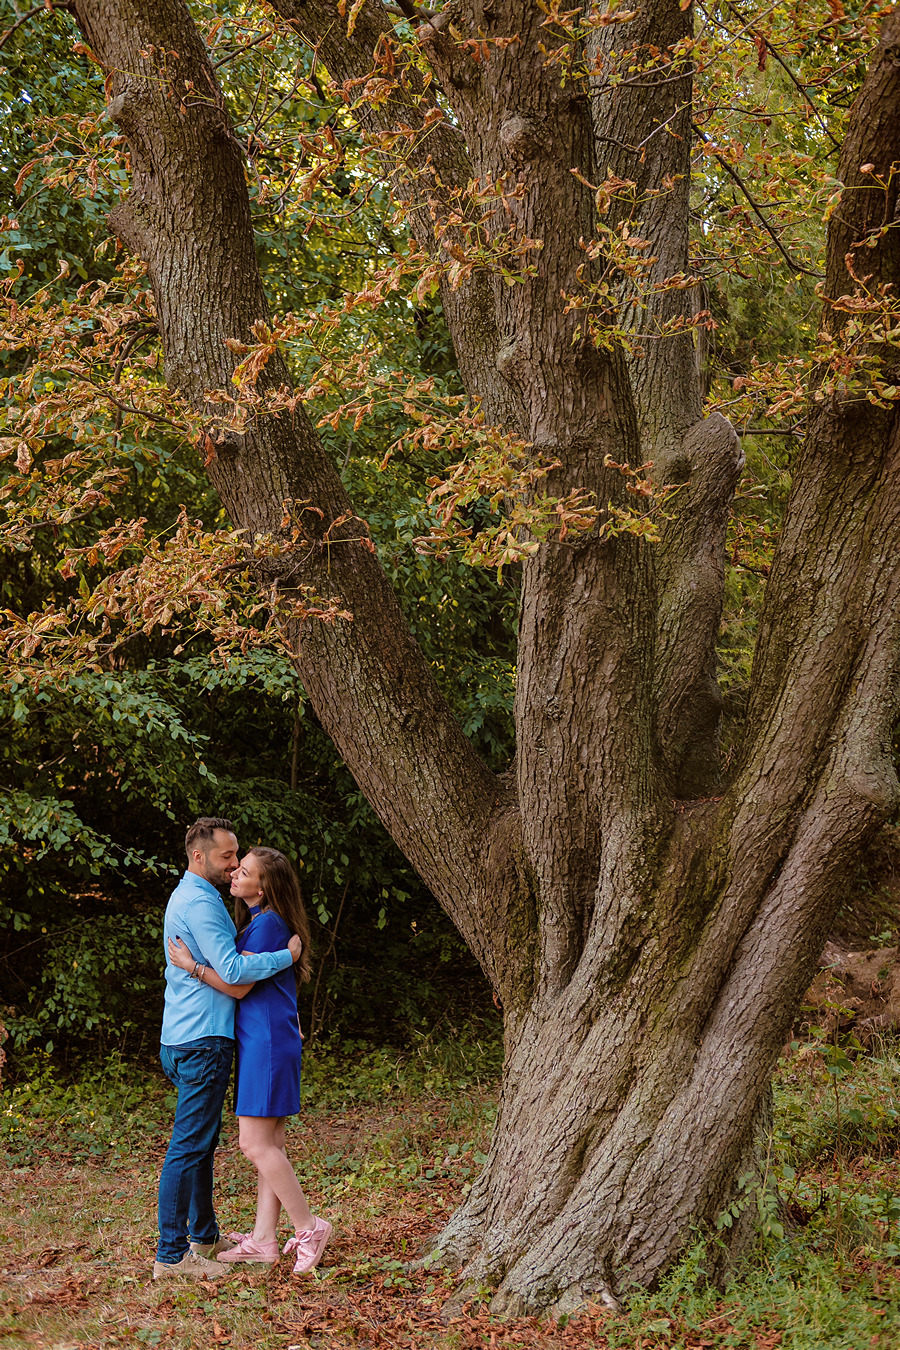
x,y
199,1070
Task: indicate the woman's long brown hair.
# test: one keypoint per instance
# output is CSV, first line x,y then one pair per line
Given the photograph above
x,y
281,892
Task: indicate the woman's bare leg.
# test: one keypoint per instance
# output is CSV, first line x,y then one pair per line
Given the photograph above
x,y
268,1206
262,1142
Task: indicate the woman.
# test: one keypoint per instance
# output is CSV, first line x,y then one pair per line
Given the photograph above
x,y
268,908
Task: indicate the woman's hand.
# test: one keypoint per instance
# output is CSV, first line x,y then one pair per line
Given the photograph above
x,y
180,956
295,947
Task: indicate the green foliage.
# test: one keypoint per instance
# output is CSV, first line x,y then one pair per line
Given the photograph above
x,y
138,755
837,1129
94,983
103,1114
106,1105
41,74
822,1274
796,1299
759,1194
463,617
104,766
836,1101
448,1061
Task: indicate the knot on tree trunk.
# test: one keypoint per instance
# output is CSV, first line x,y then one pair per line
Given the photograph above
x,y
131,111
130,106
513,355
521,137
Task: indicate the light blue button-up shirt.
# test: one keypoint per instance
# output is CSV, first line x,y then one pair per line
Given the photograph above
x,y
197,915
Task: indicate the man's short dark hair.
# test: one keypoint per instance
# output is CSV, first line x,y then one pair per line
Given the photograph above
x,y
201,833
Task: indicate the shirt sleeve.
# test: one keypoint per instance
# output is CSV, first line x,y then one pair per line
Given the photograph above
x,y
215,943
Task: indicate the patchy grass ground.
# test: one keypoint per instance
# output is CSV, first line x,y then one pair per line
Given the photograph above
x,y
385,1147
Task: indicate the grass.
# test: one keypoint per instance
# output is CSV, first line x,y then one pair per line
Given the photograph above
x,y
385,1146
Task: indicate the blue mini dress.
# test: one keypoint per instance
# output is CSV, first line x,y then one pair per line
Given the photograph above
x,y
268,1048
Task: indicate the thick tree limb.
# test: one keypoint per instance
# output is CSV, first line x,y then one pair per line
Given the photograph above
x,y
188,216
702,459
817,775
848,437
583,730
522,129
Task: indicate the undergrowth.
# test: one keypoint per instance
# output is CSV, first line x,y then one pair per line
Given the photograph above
x,y
386,1145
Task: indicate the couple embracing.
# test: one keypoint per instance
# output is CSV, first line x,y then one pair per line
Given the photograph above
x,y
230,987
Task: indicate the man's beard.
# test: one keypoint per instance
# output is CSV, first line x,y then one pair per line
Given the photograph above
x,y
217,878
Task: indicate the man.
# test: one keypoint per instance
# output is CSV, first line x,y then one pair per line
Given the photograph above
x,y
197,1048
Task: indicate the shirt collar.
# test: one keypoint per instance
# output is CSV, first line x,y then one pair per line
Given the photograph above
x,y
194,879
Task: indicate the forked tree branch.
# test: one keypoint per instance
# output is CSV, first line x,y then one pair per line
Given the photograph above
x,y
836,559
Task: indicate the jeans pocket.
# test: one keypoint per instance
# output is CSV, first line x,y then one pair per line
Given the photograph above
x,y
195,1065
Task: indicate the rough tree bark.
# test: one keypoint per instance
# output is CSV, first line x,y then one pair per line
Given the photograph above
x,y
649,953
642,136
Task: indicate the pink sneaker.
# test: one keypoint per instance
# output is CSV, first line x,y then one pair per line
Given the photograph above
x,y
248,1249
309,1246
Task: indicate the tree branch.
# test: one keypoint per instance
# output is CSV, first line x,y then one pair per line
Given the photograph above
x,y
702,458
188,214
48,7
826,643
757,208
749,27
435,165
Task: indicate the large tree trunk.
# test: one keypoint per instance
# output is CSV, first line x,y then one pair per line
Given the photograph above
x,y
649,954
